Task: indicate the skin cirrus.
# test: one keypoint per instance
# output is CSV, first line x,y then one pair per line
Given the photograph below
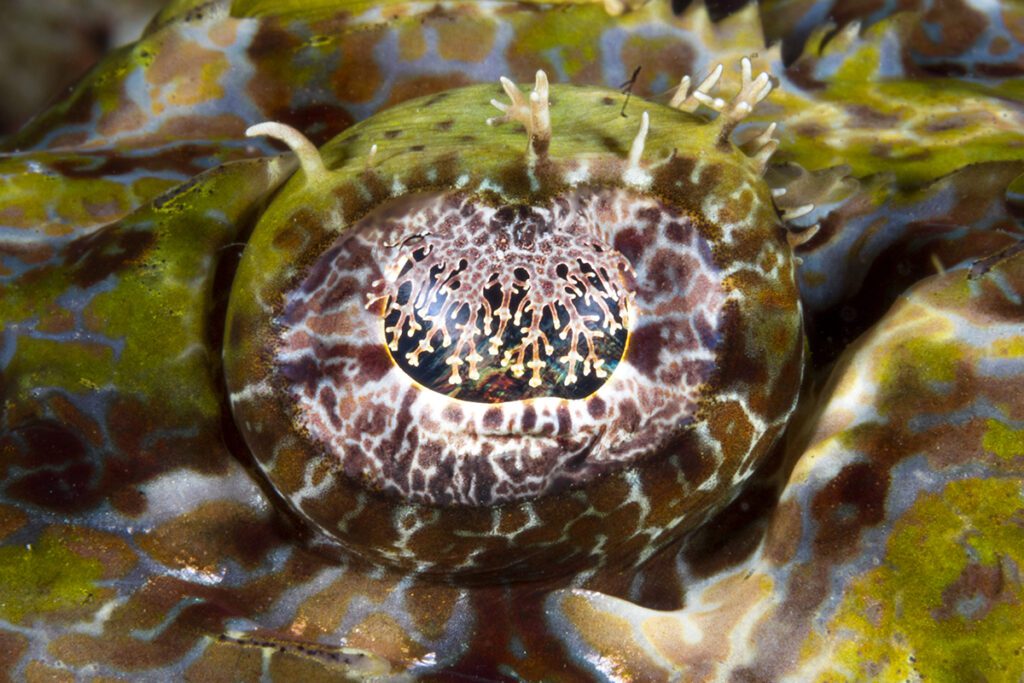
x,y
155,522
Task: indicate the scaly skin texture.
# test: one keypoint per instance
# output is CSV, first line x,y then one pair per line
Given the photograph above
x,y
880,539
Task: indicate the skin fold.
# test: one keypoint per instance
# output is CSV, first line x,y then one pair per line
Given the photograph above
x,y
872,528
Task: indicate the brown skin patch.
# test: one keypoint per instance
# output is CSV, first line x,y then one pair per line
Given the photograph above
x,y
202,539
783,536
11,519
12,648
431,606
657,584
410,87
958,26
453,414
126,116
182,71
372,526
382,635
37,672
412,44
63,486
666,57
612,493
466,40
493,418
226,662
731,427
319,122
978,590
68,414
221,126
147,608
512,519
94,257
852,501
645,347
272,93
357,79
321,614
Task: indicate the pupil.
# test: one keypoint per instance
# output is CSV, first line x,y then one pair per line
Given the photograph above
x,y
507,305
497,380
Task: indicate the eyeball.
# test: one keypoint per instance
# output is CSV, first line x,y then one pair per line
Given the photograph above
x,y
473,353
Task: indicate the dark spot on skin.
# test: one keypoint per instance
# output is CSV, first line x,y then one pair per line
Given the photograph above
x,y
330,404
375,185
392,134
439,97
94,257
630,243
564,420
676,232
444,125
629,415
693,463
852,501
515,178
742,368
417,148
65,489
947,124
978,590
304,372
596,407
320,122
607,101
541,145
492,418
645,348
650,214
440,483
50,443
613,145
483,484
344,288
529,420
374,362
864,116
707,334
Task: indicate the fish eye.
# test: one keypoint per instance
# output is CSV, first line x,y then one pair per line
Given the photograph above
x,y
469,352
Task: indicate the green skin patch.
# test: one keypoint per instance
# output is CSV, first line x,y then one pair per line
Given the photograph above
x,y
45,579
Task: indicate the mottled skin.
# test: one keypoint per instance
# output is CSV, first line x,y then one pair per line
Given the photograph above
x,y
882,539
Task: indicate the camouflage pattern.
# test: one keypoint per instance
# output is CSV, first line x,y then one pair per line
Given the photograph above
x,y
880,539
